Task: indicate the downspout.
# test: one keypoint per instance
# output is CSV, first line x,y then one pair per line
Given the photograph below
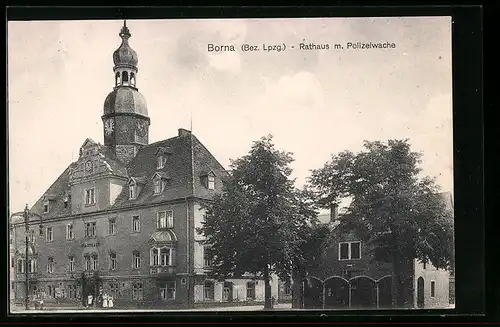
x,y
188,229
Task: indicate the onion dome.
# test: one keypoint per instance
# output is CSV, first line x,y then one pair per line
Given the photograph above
x,y
125,100
125,55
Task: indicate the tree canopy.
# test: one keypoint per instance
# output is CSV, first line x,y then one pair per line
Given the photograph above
x,y
398,211
256,224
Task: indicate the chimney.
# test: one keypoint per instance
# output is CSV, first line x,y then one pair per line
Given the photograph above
x,y
334,212
184,132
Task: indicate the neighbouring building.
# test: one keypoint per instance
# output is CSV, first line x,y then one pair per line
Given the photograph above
x,y
347,277
128,209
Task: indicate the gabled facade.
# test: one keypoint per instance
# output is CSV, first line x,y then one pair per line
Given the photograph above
x,y
128,209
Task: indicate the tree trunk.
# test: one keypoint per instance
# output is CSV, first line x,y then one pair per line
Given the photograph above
x,y
399,282
267,289
297,291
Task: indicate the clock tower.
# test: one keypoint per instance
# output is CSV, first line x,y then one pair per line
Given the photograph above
x,y
125,119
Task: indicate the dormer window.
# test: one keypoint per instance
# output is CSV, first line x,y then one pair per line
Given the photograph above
x,y
208,180
211,182
160,162
66,200
160,180
132,191
158,186
46,206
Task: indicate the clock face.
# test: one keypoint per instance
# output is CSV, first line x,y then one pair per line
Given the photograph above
x,y
88,166
109,126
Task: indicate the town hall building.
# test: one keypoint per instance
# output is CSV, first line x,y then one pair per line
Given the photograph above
x,y
129,210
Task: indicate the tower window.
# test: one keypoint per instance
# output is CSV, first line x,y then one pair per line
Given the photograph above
x,y
132,79
125,77
117,77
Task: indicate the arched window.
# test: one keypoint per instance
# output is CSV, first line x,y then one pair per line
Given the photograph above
x,y
165,257
132,79
117,77
154,257
125,77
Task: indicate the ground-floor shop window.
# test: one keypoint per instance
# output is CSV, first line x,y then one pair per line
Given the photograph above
x,y
167,292
114,289
209,290
72,291
227,293
51,290
137,291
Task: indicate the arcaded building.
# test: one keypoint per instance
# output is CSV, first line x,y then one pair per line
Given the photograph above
x,y
128,209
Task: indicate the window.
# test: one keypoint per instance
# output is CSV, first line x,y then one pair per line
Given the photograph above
x,y
154,257
132,191
112,261
90,229
165,219
226,293
95,262
12,262
137,291
433,288
49,236
20,266
69,232
425,265
71,264
31,236
209,290
136,224
158,186
72,291
207,256
165,257
50,265
51,290
168,291
137,260
32,266
114,289
183,281
287,289
349,250
87,262
160,162
112,226
251,290
90,196
46,207
211,182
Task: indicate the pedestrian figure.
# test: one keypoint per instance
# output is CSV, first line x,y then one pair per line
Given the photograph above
x,y
89,300
110,302
105,300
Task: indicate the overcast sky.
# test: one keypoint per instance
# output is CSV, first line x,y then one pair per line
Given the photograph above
x,y
315,103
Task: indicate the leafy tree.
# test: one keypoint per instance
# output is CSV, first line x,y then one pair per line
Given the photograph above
x,y
254,226
398,212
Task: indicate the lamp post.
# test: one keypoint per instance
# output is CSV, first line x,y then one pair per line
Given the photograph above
x,y
26,214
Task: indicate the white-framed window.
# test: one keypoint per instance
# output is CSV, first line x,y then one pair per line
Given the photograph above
x,y
72,291
251,290
32,266
112,226
71,263
50,265
136,259
211,182
226,293
95,262
113,263
132,191
90,196
136,224
20,265
350,250
167,292
137,291
90,229
69,232
114,289
165,257
433,288
209,290
165,219
160,162
158,185
207,256
88,265
154,257
49,235
31,235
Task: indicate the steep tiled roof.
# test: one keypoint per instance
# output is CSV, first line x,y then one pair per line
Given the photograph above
x,y
188,161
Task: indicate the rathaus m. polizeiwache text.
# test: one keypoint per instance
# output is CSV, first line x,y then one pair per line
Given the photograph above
x,y
128,210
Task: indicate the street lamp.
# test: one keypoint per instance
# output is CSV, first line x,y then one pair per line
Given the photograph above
x,y
26,214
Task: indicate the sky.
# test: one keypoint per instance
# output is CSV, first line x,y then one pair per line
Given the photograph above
x,y
315,103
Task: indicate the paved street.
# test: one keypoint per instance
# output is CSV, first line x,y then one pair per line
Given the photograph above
x,y
19,309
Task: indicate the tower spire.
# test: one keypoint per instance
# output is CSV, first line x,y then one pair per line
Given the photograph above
x,y
125,33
